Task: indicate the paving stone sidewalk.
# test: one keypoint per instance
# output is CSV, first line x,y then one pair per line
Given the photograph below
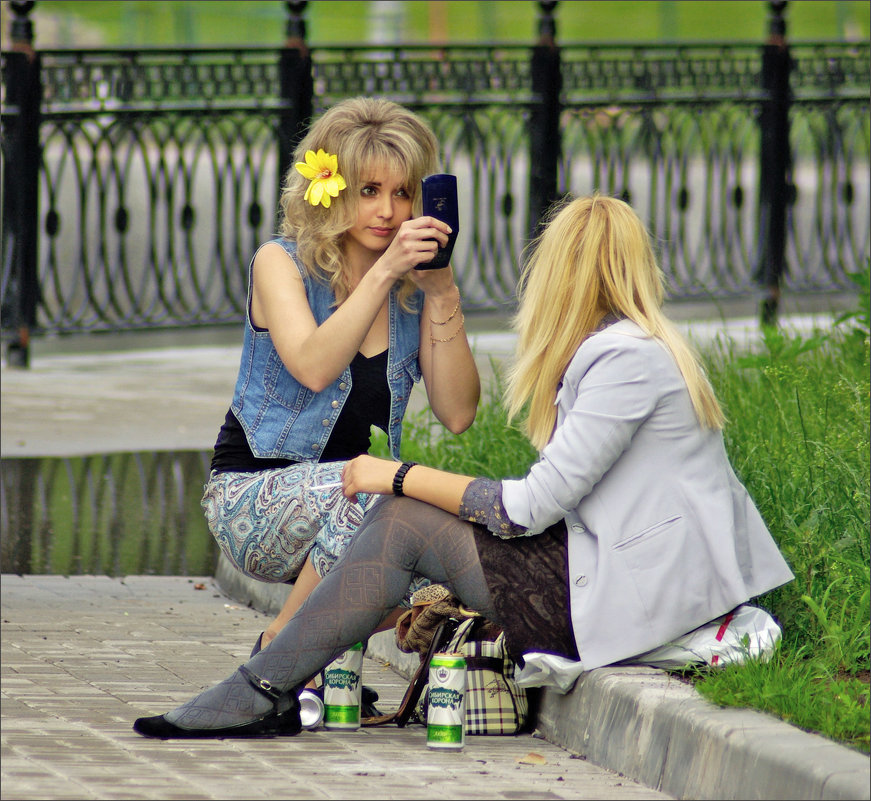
x,y
84,656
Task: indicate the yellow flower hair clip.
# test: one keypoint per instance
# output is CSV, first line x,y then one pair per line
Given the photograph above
x,y
322,169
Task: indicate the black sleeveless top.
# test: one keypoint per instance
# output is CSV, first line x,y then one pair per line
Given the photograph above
x,y
367,404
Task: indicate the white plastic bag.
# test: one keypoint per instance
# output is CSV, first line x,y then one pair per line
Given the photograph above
x,y
547,670
745,633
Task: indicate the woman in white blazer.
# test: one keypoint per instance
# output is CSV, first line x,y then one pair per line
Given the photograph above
x,y
630,530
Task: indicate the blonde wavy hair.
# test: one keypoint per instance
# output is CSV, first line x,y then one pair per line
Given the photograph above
x,y
366,134
593,257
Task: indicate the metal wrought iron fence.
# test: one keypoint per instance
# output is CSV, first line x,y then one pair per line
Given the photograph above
x,y
676,132
158,170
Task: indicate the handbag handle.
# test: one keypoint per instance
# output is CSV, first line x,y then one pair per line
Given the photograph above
x,y
418,681
441,636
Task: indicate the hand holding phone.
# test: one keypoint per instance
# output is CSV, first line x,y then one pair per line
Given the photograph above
x,y
440,201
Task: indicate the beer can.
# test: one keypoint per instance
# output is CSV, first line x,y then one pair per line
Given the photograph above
x,y
446,712
343,689
311,709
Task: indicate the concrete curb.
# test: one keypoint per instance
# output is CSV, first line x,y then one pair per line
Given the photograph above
x,y
654,728
651,726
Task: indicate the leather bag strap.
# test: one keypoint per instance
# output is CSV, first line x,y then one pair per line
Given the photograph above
x,y
441,636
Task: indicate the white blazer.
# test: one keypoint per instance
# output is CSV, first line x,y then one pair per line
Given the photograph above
x,y
662,537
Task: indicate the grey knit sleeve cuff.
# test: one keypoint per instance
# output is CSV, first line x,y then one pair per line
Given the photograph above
x,y
482,504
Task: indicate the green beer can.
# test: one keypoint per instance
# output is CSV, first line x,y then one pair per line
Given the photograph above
x,y
343,689
446,712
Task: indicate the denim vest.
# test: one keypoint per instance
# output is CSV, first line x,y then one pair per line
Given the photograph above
x,y
285,419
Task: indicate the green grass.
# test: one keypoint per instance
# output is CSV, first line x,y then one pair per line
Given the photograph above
x,y
798,437
798,687
177,23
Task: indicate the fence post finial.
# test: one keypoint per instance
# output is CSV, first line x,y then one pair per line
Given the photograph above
x,y
546,22
295,28
21,29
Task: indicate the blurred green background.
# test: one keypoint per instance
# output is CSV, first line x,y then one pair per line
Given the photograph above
x,y
132,23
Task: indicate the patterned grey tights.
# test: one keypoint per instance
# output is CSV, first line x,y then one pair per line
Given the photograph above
x,y
399,538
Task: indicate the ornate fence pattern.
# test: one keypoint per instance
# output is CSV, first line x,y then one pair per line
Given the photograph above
x,y
158,171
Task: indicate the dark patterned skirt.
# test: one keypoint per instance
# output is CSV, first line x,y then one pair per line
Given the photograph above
x,y
528,582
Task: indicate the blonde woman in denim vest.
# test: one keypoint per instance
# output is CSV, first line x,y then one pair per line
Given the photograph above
x,y
629,531
339,327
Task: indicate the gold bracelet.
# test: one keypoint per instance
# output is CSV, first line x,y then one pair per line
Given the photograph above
x,y
433,340
453,313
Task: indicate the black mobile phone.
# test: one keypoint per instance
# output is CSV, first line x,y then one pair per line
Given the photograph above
x,y
440,201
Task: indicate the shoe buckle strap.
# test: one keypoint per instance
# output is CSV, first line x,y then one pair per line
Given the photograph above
x,y
263,686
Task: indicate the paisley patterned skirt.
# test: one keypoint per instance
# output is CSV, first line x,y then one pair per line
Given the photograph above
x,y
528,581
268,523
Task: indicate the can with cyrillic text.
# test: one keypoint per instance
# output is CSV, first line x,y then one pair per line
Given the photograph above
x,y
343,690
446,702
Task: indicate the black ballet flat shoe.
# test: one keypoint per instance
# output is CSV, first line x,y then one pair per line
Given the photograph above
x,y
284,723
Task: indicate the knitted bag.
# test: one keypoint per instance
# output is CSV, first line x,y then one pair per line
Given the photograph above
x,y
429,607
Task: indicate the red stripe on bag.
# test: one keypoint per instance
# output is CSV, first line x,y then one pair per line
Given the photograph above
x,y
721,632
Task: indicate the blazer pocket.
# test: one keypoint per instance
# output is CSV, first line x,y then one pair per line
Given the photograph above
x,y
670,567
646,534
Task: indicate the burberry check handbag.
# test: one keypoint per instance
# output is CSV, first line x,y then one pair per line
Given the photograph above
x,y
438,622
494,702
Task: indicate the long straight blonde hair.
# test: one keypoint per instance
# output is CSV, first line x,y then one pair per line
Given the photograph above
x,y
593,258
366,133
